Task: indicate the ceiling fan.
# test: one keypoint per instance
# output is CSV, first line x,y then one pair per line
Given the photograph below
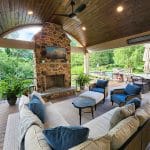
x,y
74,13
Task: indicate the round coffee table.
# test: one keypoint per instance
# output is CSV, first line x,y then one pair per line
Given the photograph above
x,y
83,102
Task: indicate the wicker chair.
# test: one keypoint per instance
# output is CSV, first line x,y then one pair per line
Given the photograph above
x,y
122,96
100,86
140,81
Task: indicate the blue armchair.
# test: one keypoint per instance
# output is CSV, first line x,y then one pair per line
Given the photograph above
x,y
100,86
122,96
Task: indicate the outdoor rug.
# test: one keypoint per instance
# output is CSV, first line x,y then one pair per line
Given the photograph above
x,y
71,114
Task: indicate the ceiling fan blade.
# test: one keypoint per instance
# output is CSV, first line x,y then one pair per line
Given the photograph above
x,y
72,15
65,15
80,8
76,19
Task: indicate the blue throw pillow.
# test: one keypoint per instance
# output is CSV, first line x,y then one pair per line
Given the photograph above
x,y
36,106
132,89
63,138
136,101
101,83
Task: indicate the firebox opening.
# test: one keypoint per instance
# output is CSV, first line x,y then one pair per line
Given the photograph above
x,y
54,81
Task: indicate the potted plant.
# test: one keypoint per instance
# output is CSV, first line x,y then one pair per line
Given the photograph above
x,y
82,80
11,87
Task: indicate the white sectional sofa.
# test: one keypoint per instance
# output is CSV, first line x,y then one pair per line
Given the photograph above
x,y
101,136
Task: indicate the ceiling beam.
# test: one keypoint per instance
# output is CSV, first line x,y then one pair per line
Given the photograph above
x,y
77,49
122,42
10,43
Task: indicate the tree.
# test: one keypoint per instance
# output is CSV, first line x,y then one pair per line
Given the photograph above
x,y
101,58
129,57
17,63
77,61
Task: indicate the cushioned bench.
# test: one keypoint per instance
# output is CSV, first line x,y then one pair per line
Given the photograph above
x,y
98,97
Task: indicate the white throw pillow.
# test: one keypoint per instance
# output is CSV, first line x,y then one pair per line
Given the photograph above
x,y
35,140
23,100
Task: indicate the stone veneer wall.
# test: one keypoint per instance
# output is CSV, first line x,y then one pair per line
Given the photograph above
x,y
51,35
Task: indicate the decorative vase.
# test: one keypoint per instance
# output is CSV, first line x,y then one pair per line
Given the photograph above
x,y
12,100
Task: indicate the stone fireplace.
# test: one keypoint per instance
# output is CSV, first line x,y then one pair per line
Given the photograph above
x,y
54,81
51,73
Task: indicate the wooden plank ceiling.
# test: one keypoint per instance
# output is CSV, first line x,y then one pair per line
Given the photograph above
x,y
100,18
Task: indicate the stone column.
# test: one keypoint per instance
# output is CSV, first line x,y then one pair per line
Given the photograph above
x,y
35,73
86,62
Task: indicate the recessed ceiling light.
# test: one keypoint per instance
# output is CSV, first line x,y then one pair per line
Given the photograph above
x,y
30,12
83,28
119,9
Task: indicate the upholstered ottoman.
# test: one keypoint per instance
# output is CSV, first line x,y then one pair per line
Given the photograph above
x,y
98,97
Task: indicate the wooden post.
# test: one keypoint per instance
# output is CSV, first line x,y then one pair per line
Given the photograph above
x,y
86,62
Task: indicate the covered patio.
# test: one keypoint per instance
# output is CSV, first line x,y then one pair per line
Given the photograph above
x,y
102,32
95,25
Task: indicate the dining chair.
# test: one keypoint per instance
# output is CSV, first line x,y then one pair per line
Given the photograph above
x,y
142,82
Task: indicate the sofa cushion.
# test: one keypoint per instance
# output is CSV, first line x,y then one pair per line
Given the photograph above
x,y
122,131
37,107
96,144
116,117
128,110
53,117
119,98
23,100
63,138
35,140
141,115
101,83
100,90
146,107
132,89
136,101
100,125
87,145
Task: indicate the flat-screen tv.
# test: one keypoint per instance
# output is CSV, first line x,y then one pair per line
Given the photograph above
x,y
53,52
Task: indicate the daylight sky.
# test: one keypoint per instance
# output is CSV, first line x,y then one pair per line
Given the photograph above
x,y
25,34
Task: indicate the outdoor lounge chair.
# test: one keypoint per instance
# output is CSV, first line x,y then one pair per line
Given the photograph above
x,y
100,86
122,96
